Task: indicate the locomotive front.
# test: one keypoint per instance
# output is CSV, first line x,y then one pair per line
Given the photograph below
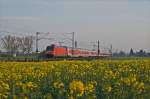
x,y
50,51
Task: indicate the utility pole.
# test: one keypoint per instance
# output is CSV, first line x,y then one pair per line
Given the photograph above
x,y
73,43
98,51
37,33
76,44
37,37
111,49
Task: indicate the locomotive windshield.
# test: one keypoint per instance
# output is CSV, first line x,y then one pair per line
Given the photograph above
x,y
50,48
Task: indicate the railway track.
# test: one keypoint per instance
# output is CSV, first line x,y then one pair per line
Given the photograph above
x,y
47,59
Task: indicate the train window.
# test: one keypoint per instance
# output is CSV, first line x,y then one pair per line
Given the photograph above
x,y
50,48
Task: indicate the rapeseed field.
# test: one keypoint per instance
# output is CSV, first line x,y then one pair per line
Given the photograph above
x,y
99,79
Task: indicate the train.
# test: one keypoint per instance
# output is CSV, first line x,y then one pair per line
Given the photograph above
x,y
64,51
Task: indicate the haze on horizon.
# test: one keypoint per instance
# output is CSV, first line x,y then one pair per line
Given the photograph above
x,y
123,23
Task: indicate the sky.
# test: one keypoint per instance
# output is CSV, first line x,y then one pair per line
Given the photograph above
x,y
123,23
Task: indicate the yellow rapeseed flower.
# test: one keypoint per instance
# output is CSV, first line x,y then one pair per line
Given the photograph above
x,y
76,87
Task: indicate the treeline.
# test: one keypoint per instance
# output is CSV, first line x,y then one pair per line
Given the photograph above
x,y
140,53
14,44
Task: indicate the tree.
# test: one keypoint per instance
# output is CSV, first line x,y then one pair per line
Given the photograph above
x,y
26,44
10,44
6,43
119,54
141,53
13,44
122,53
131,52
29,43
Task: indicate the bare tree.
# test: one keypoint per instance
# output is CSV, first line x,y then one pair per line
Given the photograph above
x,y
13,44
29,44
10,44
6,43
26,44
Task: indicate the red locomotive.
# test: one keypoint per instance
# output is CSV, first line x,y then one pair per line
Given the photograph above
x,y
57,51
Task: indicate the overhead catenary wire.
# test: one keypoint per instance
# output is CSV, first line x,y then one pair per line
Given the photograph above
x,y
38,34
67,39
3,33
